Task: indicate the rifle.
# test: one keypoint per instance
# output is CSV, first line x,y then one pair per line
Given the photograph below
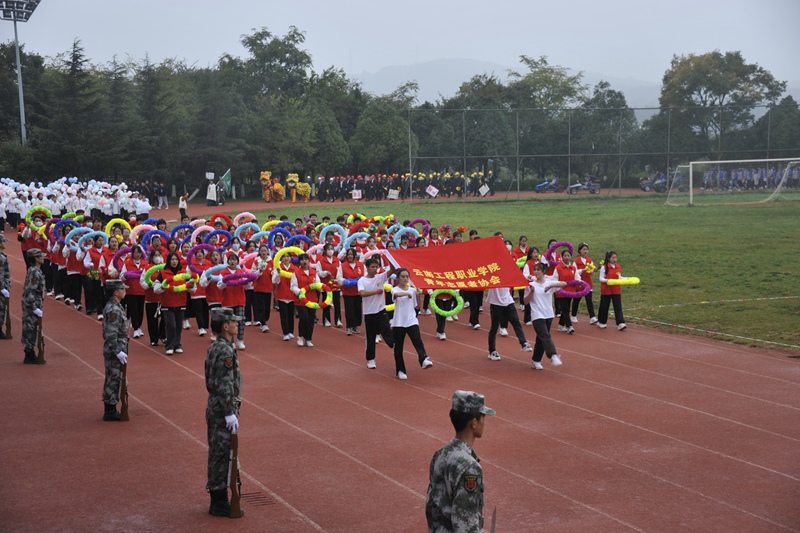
x,y
123,395
40,345
235,481
494,519
8,321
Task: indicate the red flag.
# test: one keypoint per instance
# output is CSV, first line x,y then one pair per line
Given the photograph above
x,y
470,265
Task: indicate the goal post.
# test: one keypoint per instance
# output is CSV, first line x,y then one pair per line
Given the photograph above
x,y
735,181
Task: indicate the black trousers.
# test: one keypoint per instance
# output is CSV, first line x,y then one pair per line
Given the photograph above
x,y
305,324
262,304
48,275
286,310
563,306
447,304
508,312
374,324
59,279
248,305
352,311
135,305
399,335
589,305
173,322
337,309
616,301
156,328
199,307
74,287
544,342
474,298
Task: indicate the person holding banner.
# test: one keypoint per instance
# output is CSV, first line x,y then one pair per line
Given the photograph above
x,y
405,323
370,288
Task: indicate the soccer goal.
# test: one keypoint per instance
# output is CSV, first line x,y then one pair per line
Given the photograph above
x,y
735,182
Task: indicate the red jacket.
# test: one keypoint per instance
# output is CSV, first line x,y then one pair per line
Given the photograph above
x,y
283,289
134,287
351,272
304,279
264,281
170,298
566,273
232,295
614,272
581,264
329,265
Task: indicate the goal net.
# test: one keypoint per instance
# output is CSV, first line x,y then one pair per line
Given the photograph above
x,y
735,182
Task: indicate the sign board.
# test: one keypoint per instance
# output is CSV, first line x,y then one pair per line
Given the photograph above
x,y
483,190
433,191
356,194
393,194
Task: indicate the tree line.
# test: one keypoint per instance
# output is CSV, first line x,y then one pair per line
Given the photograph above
x,y
271,110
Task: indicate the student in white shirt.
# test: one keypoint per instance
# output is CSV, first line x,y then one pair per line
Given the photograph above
x,y
502,308
405,323
373,302
541,302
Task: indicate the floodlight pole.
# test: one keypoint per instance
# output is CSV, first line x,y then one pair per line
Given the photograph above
x,y
19,83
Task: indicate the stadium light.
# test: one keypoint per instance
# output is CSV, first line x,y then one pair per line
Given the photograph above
x,y
19,11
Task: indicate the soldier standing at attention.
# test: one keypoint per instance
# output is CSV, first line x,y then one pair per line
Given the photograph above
x,y
115,347
32,302
224,385
455,492
5,284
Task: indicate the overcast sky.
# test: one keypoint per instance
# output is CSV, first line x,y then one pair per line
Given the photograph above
x,y
618,38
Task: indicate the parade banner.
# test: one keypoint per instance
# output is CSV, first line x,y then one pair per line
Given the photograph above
x,y
471,265
226,181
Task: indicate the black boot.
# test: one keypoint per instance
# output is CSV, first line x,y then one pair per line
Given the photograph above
x,y
111,414
30,357
220,506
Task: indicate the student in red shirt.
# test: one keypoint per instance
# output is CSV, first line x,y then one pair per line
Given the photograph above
x,y
135,295
610,294
565,271
156,328
581,260
262,287
197,300
173,304
352,269
302,278
284,296
233,296
329,272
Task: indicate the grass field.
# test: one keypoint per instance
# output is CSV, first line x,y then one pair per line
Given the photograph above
x,y
684,256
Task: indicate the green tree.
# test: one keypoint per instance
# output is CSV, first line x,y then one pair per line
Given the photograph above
x,y
344,97
277,65
380,143
331,151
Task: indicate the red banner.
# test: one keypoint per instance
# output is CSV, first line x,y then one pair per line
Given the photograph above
x,y
471,265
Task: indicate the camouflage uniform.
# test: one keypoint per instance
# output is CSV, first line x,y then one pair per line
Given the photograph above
x,y
115,340
32,298
224,385
455,492
5,283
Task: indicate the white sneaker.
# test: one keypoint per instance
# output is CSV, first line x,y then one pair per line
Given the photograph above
x,y
428,312
494,356
455,317
240,345
401,375
138,333
503,332
213,337
622,326
349,331
286,337
378,339
427,363
537,366
601,326
466,305
521,307
99,317
178,350
301,341
476,326
441,336
529,323
50,293
291,335
371,363
449,319
59,296
170,352
338,323
573,319
201,332
562,328
186,324
327,323
248,323
257,324
309,344
527,347
571,330
555,360
264,328
593,320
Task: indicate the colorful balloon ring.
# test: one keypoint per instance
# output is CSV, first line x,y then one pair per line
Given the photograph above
x,y
37,209
207,247
60,224
459,302
223,216
142,228
626,281
351,218
402,232
248,226
114,221
276,231
549,255
182,279
239,278
91,236
276,262
269,224
149,237
334,227
211,273
355,236
150,272
315,305
225,233
296,238
238,218
116,260
258,237
74,233
174,233
197,223
585,289
426,225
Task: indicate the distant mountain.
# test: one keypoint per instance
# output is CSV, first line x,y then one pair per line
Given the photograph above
x,y
441,79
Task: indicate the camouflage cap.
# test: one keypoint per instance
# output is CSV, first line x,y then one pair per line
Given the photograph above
x,y
34,253
465,401
224,314
115,284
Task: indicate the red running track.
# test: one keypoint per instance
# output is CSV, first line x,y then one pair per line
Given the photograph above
x,y
638,431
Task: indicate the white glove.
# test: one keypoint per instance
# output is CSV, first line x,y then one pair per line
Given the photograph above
x,y
221,285
113,272
38,312
123,357
232,423
5,293
158,288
